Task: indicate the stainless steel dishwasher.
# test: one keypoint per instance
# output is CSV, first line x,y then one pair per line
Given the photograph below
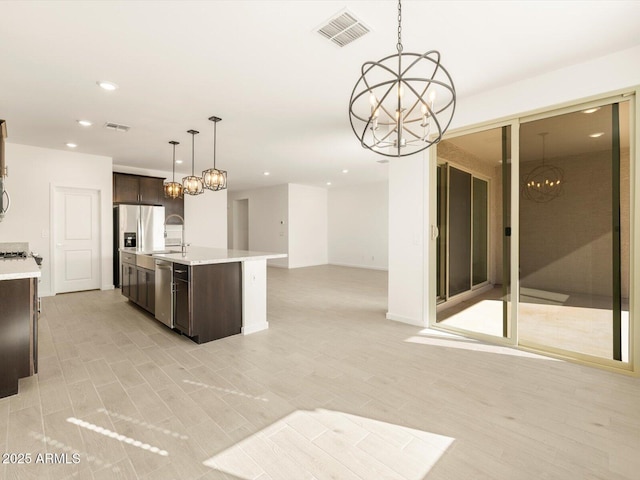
x,y
164,292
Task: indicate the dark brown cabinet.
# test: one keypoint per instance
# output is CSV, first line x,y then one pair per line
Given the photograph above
x,y
141,190
208,300
129,281
146,283
181,303
137,189
18,332
138,283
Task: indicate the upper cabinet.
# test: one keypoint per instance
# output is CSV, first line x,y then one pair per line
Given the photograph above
x,y
137,189
141,190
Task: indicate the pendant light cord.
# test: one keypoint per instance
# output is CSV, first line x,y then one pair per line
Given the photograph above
x,y
215,124
174,163
399,45
193,144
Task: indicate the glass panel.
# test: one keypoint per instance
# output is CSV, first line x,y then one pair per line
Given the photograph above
x,y
478,215
459,231
480,230
571,196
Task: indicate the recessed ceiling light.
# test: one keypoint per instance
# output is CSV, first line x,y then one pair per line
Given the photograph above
x,y
178,161
328,183
596,135
266,174
85,123
345,171
107,85
71,145
591,110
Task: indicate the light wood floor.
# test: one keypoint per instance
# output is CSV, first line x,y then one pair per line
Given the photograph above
x,y
331,391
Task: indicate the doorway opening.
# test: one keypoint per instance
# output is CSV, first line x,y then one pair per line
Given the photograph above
x,y
240,224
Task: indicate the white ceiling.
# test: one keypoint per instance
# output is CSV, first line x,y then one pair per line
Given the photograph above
x,y
281,89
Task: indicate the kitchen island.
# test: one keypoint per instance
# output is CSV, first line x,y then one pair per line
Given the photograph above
x,y
217,292
18,322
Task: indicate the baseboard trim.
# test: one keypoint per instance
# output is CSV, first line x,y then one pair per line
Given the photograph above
x,y
255,328
351,265
407,320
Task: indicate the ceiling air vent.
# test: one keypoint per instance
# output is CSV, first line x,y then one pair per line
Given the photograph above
x,y
117,127
343,28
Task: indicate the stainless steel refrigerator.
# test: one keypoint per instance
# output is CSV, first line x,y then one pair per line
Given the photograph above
x,y
136,226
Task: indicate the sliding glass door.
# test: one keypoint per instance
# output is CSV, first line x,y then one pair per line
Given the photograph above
x,y
471,288
570,184
574,221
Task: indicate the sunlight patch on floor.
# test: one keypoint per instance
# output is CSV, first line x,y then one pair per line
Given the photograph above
x,y
437,338
329,444
482,317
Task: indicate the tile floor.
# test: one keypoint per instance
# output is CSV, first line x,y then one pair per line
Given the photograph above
x,y
570,322
331,391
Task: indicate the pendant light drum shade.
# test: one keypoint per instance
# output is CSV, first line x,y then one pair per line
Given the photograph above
x,y
213,178
173,189
192,185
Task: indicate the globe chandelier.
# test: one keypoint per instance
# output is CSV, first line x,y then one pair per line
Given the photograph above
x,y
213,178
192,185
173,189
545,182
403,103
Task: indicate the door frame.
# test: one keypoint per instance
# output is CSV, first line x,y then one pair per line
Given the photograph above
x,y
53,189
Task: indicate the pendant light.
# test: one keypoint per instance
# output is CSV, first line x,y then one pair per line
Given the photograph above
x,y
402,103
192,185
213,178
545,182
173,189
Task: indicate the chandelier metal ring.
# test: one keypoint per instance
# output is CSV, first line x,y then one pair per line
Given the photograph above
x,y
396,111
544,183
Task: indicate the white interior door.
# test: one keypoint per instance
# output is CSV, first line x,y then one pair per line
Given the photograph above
x,y
77,239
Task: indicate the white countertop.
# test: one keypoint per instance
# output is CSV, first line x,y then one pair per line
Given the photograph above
x,y
206,255
16,268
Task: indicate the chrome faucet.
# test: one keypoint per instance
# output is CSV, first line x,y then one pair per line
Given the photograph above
x,y
183,245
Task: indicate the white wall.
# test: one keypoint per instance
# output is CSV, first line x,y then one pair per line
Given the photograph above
x,y
268,220
33,172
407,212
205,216
307,226
359,226
407,268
